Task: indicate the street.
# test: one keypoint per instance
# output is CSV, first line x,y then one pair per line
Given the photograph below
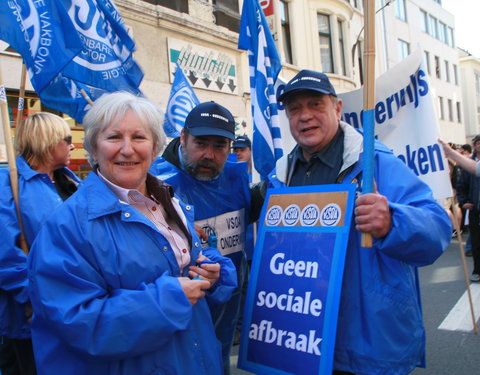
x,y
452,349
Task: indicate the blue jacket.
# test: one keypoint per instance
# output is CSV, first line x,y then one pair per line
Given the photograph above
x,y
105,293
38,198
380,328
221,206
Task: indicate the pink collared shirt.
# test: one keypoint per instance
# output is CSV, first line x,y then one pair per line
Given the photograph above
x,y
156,214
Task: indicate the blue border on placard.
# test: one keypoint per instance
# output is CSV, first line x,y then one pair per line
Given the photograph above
x,y
332,302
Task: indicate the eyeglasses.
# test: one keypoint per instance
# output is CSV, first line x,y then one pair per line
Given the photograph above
x,y
68,139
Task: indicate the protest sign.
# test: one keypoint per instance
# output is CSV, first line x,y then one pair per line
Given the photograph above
x,y
292,303
405,120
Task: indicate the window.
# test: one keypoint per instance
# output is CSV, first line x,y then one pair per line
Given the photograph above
x,y
341,43
424,17
226,14
400,10
286,41
455,74
440,108
442,32
450,41
427,61
459,112
450,110
432,26
325,37
447,71
437,67
403,49
179,6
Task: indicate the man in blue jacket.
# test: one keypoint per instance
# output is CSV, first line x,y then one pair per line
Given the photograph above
x,y
380,328
196,166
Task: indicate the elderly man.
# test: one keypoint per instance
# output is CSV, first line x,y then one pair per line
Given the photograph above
x,y
380,329
196,166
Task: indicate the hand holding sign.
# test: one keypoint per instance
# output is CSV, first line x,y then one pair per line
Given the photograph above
x,y
372,214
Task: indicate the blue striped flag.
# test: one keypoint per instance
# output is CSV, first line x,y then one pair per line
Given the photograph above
x,y
255,37
181,101
71,44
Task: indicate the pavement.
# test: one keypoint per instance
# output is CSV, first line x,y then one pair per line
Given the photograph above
x,y
452,346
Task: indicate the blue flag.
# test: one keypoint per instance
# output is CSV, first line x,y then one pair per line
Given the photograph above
x,y
181,101
68,45
265,65
43,34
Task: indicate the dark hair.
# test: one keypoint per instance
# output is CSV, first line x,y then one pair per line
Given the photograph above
x,y
476,139
467,148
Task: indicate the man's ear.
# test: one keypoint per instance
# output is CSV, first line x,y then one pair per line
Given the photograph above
x,y
338,110
183,138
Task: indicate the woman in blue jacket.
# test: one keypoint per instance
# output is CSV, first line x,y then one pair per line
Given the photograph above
x,y
118,275
43,143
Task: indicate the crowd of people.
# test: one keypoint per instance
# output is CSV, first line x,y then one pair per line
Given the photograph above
x,y
137,271
465,179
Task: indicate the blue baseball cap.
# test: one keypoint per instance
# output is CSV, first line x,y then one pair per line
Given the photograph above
x,y
242,141
308,80
210,118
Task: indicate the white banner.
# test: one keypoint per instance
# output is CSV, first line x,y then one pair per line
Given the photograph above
x,y
405,121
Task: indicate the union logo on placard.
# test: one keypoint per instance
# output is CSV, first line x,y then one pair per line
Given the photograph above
x,y
208,230
274,215
310,215
330,215
291,215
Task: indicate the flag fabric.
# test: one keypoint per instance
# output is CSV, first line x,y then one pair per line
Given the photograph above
x,y
42,34
181,101
68,45
255,37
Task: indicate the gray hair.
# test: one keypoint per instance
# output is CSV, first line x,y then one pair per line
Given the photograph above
x,y
112,107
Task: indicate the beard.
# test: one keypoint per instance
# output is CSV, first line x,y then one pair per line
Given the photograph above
x,y
192,167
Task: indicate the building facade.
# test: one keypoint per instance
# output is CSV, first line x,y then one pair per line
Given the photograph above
x,y
324,35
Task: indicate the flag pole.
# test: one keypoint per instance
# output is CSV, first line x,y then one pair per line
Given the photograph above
x,y
464,263
11,159
21,96
368,106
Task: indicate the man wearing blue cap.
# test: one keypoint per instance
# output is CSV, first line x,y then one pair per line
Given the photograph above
x,y
380,328
242,147
196,166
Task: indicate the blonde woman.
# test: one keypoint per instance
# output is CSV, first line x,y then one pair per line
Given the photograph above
x,y
43,144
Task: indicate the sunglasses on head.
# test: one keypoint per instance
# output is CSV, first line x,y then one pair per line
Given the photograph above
x,y
68,139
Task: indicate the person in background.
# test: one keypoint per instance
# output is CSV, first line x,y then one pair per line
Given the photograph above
x,y
242,146
43,144
468,190
469,164
118,278
380,328
196,165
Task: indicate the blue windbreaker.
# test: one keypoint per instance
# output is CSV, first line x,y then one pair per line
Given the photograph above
x,y
38,199
380,329
221,206
106,297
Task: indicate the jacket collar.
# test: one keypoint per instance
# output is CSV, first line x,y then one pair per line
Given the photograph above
x,y
28,172
352,147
